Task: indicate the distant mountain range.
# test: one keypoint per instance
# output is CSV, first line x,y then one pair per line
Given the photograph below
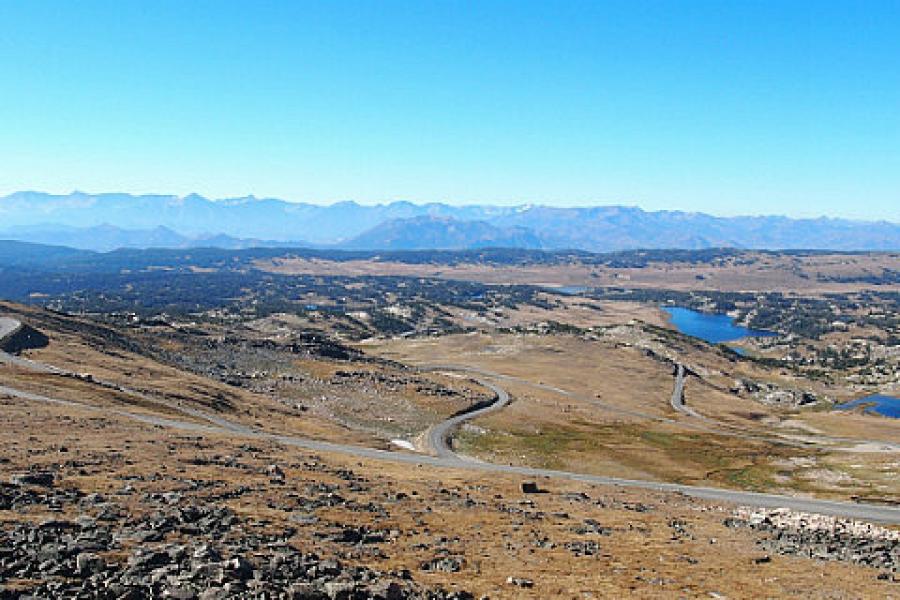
x,y
104,238
106,221
427,232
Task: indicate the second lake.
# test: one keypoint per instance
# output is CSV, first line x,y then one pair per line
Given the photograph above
x,y
715,329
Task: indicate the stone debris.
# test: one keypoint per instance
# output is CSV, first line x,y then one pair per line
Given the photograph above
x,y
822,537
447,564
177,546
275,473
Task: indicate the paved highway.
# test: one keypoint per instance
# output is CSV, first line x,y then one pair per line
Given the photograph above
x,y
439,435
215,423
8,327
678,396
820,439
708,426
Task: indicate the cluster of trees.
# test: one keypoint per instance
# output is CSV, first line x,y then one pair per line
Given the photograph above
x,y
253,293
55,258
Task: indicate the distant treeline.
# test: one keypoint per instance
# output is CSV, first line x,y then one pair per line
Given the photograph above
x,y
58,258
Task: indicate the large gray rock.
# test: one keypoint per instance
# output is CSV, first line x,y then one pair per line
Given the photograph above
x,y
42,478
88,564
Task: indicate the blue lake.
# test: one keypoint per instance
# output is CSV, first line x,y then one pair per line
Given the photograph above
x,y
888,406
715,329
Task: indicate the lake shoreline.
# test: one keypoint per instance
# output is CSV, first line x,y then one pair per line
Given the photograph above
x,y
882,405
713,328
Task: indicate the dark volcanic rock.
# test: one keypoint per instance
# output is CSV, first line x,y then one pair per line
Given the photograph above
x,y
25,338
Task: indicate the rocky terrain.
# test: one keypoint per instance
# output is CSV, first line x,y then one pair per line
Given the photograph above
x,y
174,545
824,538
322,377
98,507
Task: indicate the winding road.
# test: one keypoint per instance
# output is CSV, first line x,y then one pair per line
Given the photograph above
x,y
447,459
439,435
705,426
678,396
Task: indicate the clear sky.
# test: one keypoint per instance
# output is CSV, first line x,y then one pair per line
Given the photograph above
x,y
779,107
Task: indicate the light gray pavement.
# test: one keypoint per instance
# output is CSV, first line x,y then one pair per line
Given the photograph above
x,y
678,402
439,435
8,326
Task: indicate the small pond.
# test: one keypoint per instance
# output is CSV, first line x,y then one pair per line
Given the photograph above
x,y
570,290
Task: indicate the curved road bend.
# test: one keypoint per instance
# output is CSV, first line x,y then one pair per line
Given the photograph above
x,y
439,435
677,401
711,428
679,405
10,326
866,512
704,428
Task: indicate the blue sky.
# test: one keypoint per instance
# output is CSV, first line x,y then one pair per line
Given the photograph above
x,y
779,107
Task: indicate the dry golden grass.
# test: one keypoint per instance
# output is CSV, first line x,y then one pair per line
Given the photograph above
x,y
617,376
150,384
604,408
764,272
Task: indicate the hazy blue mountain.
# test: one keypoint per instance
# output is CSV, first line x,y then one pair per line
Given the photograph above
x,y
195,215
441,233
619,228
100,238
171,221
104,238
26,254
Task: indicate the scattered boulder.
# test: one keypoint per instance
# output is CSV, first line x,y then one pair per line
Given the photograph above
x,y
87,564
44,479
530,487
276,475
447,564
519,582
